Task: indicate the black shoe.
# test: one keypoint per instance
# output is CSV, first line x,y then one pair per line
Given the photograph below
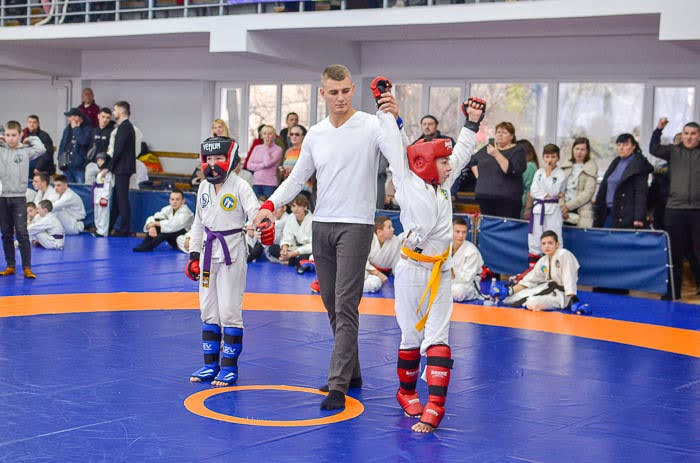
x,y
334,401
142,249
354,384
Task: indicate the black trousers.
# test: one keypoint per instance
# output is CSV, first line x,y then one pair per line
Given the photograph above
x,y
13,221
500,207
120,205
275,251
683,227
149,243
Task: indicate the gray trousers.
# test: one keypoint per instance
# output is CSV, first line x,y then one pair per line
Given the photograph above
x,y
340,254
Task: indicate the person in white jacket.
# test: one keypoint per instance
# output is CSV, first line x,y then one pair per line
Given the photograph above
x,y
551,285
69,208
383,255
102,194
46,230
466,264
295,245
167,224
44,190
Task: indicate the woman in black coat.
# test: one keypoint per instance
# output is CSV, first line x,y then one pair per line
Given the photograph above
x,y
622,197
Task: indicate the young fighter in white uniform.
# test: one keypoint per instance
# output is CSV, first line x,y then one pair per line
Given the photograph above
x,y
225,203
102,194
40,182
46,230
466,264
551,285
383,255
68,207
423,181
167,224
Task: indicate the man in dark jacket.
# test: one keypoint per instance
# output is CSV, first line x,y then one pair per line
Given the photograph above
x,y
100,138
682,220
122,166
429,126
72,152
45,162
622,196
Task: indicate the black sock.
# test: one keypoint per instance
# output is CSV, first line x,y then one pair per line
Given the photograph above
x,y
334,401
354,383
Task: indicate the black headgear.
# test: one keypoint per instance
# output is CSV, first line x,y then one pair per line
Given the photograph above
x,y
222,146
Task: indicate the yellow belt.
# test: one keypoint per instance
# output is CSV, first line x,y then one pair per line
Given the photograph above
x,y
433,282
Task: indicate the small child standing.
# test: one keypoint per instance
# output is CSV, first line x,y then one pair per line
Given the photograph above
x,y
225,204
102,194
46,230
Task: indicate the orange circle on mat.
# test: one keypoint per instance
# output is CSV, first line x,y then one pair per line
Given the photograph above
x,y
195,404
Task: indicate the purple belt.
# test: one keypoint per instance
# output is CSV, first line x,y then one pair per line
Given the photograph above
x,y
532,214
220,235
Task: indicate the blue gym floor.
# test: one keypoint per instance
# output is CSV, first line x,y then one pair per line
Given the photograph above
x,y
111,386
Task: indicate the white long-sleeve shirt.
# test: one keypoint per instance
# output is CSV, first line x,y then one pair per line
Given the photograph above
x,y
70,206
170,221
49,224
467,263
544,187
298,235
346,161
426,211
50,194
563,270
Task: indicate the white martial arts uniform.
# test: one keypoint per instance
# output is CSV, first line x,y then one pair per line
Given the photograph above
x,y
50,194
181,240
382,257
280,225
70,211
466,265
297,236
549,285
102,200
426,216
139,177
47,231
542,188
171,222
233,207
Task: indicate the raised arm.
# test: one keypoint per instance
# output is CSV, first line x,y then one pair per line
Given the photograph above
x,y
655,146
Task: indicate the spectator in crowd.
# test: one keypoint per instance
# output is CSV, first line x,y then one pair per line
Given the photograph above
x,y
499,167
466,264
292,120
167,224
123,165
40,182
14,171
296,239
46,230
219,128
296,134
551,285
45,162
429,126
581,179
102,194
530,169
68,207
141,174
282,217
100,143
682,219
621,201
31,213
264,162
75,142
256,142
383,255
88,107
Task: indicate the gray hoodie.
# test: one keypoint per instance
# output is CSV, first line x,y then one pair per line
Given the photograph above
x,y
14,166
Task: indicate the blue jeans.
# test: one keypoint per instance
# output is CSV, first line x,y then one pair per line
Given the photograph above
x,y
265,190
76,175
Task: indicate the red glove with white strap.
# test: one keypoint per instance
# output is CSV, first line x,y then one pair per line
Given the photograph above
x,y
192,270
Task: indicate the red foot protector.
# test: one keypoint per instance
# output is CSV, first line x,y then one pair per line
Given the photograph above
x,y
438,376
408,367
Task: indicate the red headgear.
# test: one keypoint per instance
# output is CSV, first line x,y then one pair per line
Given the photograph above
x,y
219,145
422,155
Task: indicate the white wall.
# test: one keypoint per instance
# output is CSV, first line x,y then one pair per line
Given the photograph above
x,y
21,98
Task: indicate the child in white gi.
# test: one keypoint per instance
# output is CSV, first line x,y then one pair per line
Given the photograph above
x,y
225,203
466,264
102,194
383,255
69,208
546,190
423,181
551,285
46,230
167,224
31,212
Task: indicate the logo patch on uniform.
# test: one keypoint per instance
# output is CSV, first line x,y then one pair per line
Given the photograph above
x,y
444,192
557,264
228,202
204,200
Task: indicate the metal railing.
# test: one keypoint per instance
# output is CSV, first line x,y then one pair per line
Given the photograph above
x,y
39,12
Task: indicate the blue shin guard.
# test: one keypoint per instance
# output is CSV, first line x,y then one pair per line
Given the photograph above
x,y
211,345
233,345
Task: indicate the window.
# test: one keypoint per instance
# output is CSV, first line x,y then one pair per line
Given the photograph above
x,y
601,112
444,105
522,104
262,108
231,110
297,99
408,97
320,108
675,103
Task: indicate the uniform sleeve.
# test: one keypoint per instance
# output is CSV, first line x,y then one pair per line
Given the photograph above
x,y
150,219
536,276
38,226
537,187
197,230
569,274
389,141
471,265
180,220
301,172
461,154
35,149
61,203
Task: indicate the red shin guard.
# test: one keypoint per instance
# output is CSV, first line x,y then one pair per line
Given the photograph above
x,y
408,367
438,376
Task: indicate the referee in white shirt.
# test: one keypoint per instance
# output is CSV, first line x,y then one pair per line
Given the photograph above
x,y
343,149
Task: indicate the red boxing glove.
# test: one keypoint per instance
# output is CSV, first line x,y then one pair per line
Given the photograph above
x,y
192,270
380,85
103,202
267,232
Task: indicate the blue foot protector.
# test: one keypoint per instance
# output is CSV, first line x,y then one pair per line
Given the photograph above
x,y
233,345
211,345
